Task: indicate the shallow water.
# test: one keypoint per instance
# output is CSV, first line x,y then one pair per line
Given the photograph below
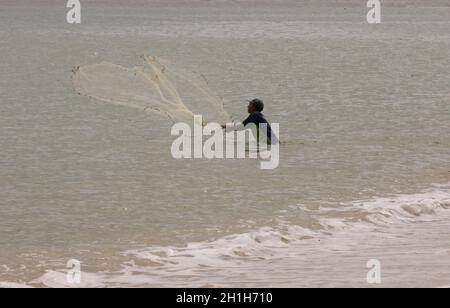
x,y
364,114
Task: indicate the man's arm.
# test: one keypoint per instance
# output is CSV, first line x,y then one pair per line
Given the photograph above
x,y
250,119
233,126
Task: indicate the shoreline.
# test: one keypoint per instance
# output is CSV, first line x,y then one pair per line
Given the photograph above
x,y
410,241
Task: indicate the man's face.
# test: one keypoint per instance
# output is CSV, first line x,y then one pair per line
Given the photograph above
x,y
250,107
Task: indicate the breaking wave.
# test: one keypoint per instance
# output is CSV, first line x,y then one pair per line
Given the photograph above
x,y
240,257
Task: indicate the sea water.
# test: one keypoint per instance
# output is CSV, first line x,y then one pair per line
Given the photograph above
x,y
364,114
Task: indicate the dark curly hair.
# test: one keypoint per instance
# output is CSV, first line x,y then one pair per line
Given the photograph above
x,y
258,104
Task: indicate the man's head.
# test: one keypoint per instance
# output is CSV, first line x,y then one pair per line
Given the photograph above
x,y
255,105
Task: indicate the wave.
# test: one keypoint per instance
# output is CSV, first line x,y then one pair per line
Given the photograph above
x,y
238,257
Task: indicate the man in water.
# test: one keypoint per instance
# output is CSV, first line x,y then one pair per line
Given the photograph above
x,y
255,108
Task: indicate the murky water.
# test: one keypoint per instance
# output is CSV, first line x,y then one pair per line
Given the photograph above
x,y
364,113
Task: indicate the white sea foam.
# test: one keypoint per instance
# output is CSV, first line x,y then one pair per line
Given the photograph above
x,y
13,285
58,279
255,256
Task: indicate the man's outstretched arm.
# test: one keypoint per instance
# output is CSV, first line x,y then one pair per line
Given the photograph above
x,y
250,119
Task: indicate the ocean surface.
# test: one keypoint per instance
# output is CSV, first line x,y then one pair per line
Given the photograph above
x,y
364,173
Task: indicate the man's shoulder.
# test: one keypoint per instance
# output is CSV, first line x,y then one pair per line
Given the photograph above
x,y
260,116
256,118
257,114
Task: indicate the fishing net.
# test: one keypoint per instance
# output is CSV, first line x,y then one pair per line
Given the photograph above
x,y
154,86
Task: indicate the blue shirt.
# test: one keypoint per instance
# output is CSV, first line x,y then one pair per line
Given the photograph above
x,y
258,118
